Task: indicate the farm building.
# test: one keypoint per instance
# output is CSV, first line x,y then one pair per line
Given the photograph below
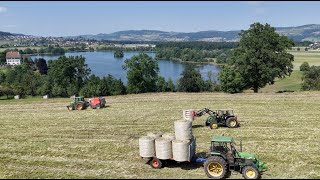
x,y
13,58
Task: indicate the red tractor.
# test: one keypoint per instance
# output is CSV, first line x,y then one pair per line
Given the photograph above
x,y
97,102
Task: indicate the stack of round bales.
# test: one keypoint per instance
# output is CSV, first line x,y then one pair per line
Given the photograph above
x,y
183,134
188,115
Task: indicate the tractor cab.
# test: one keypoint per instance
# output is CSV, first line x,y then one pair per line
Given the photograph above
x,y
224,158
224,145
77,99
78,103
225,113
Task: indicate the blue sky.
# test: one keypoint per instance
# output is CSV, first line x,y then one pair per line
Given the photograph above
x,y
85,17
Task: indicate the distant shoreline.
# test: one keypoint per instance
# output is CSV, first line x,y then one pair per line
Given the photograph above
x,y
191,62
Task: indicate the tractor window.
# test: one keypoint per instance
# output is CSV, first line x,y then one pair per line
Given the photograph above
x,y
230,113
220,147
220,113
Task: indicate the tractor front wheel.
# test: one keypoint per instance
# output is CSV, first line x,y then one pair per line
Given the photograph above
x,y
156,163
214,124
232,122
215,167
251,172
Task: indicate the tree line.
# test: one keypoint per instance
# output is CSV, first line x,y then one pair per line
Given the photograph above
x,y
193,55
69,76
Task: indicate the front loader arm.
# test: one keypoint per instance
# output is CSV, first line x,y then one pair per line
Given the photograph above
x,y
202,112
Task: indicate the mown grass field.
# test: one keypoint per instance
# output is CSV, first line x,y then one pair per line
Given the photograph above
x,y
41,139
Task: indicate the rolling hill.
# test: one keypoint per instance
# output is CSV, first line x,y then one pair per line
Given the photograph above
x,y
310,32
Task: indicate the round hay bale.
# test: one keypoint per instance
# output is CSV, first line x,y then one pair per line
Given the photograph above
x,y
183,129
180,150
163,148
154,135
169,136
188,115
147,146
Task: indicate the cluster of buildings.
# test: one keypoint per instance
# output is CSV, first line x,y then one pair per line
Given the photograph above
x,y
28,40
315,45
134,45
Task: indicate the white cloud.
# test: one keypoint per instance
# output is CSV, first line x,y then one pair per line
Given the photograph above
x,y
3,9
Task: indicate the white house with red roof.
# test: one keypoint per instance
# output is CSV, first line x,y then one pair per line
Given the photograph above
x,y
13,58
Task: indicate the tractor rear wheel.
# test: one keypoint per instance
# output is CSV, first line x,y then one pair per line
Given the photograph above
x,y
232,122
214,124
156,163
80,106
251,172
215,167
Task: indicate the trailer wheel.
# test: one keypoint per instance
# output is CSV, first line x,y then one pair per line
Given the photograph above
x,y
156,163
98,106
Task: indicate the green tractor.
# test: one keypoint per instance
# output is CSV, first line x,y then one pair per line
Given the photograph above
x,y
218,118
223,158
78,103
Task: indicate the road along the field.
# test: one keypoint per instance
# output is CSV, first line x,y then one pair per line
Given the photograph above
x,y
41,139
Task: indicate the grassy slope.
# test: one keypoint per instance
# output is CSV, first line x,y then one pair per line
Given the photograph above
x,y
294,81
41,139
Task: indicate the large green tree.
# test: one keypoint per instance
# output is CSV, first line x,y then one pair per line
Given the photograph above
x,y
68,75
142,73
260,58
191,80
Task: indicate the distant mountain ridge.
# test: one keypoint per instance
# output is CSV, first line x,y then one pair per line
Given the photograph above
x,y
2,33
310,32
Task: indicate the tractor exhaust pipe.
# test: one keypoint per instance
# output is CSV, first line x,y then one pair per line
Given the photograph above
x,y
240,145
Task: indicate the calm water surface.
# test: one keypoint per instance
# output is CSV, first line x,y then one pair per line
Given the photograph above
x,y
103,63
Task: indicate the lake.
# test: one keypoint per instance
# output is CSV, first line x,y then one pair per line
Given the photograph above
x,y
104,63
